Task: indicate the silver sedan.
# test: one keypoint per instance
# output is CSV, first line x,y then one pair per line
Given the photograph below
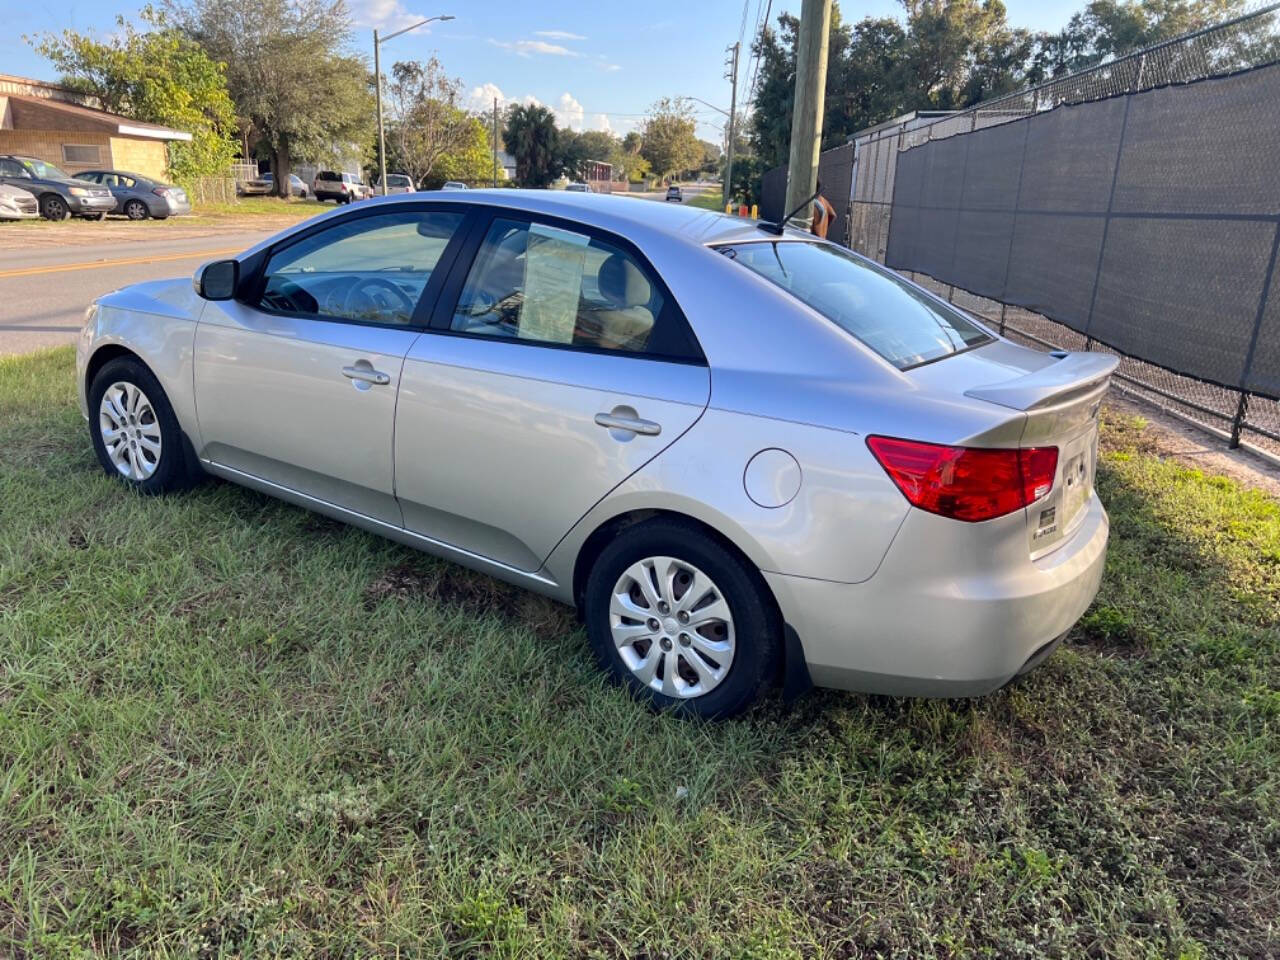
x,y
749,457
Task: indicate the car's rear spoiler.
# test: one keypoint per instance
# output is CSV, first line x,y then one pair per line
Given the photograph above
x,y
1072,378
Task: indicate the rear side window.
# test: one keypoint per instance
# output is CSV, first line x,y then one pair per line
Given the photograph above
x,y
327,175
536,282
902,324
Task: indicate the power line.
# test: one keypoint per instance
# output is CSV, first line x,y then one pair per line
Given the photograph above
x,y
751,88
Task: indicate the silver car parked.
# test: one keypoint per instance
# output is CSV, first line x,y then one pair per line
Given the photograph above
x,y
747,456
139,197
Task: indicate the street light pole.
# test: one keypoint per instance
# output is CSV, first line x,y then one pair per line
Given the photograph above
x,y
382,140
377,83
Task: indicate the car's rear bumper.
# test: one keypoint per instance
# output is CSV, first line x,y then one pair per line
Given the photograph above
x,y
942,619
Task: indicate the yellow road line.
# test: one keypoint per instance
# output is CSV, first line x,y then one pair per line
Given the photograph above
x,y
122,262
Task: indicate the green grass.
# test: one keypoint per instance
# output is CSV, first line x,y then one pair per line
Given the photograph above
x,y
711,200
229,728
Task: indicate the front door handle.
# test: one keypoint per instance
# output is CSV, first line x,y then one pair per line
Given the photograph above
x,y
628,424
367,374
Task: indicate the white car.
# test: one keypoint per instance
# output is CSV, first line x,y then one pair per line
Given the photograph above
x,y
17,204
454,185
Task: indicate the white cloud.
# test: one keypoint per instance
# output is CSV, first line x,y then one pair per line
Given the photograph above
x,y
558,35
568,111
386,15
480,99
526,48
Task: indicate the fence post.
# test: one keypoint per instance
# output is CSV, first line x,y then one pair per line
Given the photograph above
x,y
1242,413
1003,308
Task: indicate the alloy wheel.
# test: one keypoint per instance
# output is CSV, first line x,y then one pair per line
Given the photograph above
x,y
672,627
135,210
130,431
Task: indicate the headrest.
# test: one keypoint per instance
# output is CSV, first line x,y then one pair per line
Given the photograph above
x,y
622,283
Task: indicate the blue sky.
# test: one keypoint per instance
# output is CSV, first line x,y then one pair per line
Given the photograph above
x,y
597,65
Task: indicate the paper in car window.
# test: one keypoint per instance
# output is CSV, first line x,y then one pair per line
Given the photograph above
x,y
553,265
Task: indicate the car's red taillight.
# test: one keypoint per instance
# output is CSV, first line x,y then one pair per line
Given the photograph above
x,y
966,483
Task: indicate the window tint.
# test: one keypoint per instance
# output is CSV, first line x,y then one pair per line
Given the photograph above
x,y
11,168
366,269
87,177
900,323
537,282
42,170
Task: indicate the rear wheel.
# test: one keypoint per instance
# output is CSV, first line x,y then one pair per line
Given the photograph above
x,y
136,210
681,621
53,207
135,433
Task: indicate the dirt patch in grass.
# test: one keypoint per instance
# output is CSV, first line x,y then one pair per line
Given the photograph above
x,y
466,592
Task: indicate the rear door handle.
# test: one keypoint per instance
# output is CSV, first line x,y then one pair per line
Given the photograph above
x,y
630,424
367,374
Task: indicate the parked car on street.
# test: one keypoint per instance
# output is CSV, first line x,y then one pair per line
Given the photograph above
x,y
139,197
265,185
578,188
58,195
746,455
341,187
454,185
673,193
396,183
17,204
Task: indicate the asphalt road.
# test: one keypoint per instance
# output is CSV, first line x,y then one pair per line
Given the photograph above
x,y
47,279
44,289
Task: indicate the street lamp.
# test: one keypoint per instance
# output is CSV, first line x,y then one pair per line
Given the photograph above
x,y
377,83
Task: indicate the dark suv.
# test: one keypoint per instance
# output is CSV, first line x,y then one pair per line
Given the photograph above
x,y
59,195
673,193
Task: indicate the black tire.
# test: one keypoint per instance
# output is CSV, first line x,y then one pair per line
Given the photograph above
x,y
136,210
53,207
171,469
757,634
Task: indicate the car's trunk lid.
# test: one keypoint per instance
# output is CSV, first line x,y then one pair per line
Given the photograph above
x,y
1060,400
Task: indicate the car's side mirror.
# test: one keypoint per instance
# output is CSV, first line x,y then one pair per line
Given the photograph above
x,y
217,279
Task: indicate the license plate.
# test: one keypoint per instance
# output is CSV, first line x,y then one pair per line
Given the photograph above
x,y
1076,483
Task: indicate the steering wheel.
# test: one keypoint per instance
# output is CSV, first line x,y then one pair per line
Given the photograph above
x,y
374,290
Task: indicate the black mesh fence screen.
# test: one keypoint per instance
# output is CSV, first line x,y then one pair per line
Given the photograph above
x,y
835,178
1146,221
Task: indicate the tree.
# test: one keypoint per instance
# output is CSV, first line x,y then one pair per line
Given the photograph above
x,y
158,76
669,141
471,160
297,91
576,149
532,139
1106,28
427,125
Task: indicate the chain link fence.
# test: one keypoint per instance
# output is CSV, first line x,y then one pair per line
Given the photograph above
x,y
1237,47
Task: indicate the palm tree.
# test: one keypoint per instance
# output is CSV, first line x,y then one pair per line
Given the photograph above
x,y
532,139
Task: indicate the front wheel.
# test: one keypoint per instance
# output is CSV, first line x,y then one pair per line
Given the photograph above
x,y
135,433
53,207
681,620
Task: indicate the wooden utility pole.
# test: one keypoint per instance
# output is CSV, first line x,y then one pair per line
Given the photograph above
x,y
732,76
495,141
806,119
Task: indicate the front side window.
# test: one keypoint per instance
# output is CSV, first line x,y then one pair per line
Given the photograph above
x,y
894,319
366,269
535,282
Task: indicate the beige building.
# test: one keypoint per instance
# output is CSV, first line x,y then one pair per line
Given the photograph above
x,y
61,126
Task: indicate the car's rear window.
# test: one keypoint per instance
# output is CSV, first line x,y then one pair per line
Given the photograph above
x,y
897,321
327,175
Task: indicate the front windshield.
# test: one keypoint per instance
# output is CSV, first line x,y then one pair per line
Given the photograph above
x,y
902,324
42,170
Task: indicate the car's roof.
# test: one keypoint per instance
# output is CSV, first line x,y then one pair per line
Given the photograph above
x,y
118,173
619,214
